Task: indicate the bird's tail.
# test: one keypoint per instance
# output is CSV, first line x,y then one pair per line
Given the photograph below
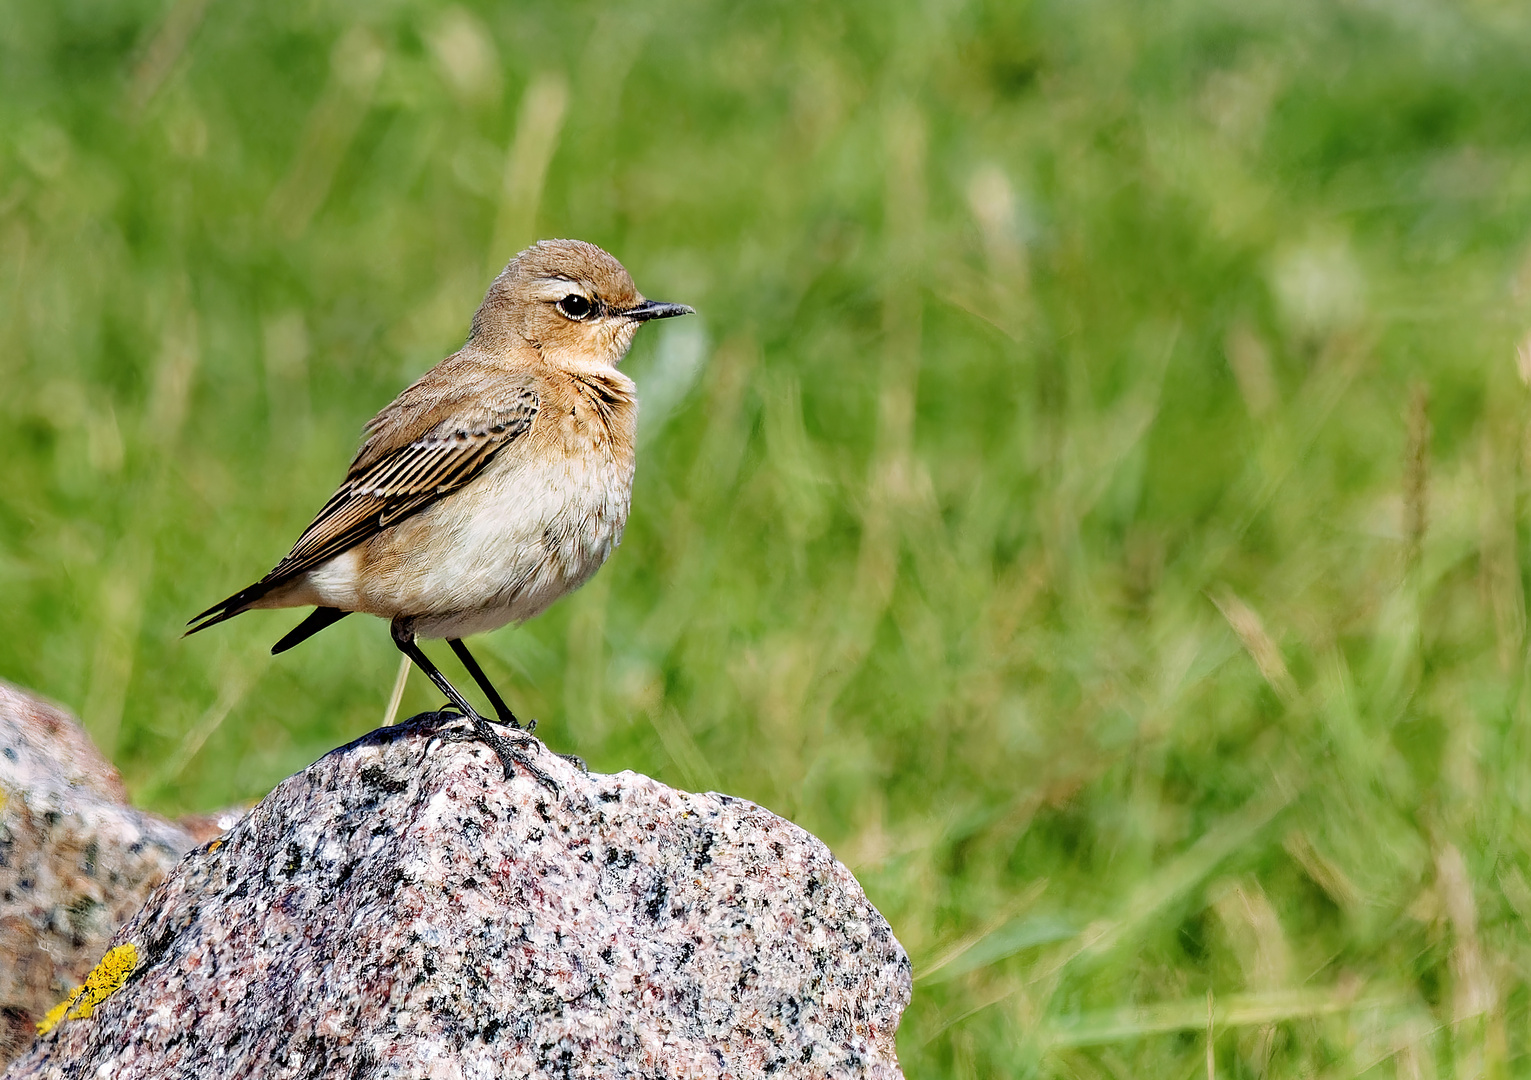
x,y
237,604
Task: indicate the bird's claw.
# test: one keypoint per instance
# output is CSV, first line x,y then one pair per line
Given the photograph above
x,y
507,749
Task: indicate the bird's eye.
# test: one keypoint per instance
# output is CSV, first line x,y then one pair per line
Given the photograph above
x,y
575,306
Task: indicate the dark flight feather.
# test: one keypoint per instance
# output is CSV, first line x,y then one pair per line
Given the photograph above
x,y
317,620
380,491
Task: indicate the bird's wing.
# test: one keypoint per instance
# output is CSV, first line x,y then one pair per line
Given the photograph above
x,y
383,488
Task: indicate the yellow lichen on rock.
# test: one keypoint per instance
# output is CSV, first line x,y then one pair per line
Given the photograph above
x,y
104,980
54,1015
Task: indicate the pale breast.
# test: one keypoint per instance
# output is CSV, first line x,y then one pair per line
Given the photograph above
x,y
537,523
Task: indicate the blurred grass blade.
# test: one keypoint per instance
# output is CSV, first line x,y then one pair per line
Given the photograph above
x,y
1171,882
355,67
1231,1011
538,124
1015,936
164,51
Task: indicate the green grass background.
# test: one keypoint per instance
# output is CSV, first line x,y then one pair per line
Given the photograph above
x,y
1093,497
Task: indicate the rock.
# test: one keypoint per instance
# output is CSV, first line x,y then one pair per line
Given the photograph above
x,y
401,909
204,827
75,860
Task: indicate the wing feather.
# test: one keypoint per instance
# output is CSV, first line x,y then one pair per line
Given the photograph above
x,y
433,439
404,482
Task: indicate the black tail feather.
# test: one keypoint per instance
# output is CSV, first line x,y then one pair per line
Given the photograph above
x,y
317,620
227,609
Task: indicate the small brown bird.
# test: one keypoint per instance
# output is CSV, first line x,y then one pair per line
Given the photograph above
x,y
497,483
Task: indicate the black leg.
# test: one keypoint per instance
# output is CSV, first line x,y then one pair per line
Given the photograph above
x,y
404,638
508,750
501,709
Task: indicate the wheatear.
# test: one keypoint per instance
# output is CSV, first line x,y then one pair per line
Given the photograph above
x,y
494,485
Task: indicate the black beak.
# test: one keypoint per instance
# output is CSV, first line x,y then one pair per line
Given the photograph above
x,y
655,309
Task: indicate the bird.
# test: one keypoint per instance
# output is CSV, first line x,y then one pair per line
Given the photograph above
x,y
495,484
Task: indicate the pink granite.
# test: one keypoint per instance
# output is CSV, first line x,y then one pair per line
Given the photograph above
x,y
400,909
75,860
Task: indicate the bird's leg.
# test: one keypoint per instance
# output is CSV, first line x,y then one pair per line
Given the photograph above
x,y
508,750
501,709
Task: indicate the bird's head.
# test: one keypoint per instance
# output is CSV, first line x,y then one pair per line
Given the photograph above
x,y
571,300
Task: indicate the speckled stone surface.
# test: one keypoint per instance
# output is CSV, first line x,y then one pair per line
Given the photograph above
x,y
75,860
399,909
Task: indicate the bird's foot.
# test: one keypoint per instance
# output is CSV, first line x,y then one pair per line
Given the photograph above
x,y
509,750
577,761
505,719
